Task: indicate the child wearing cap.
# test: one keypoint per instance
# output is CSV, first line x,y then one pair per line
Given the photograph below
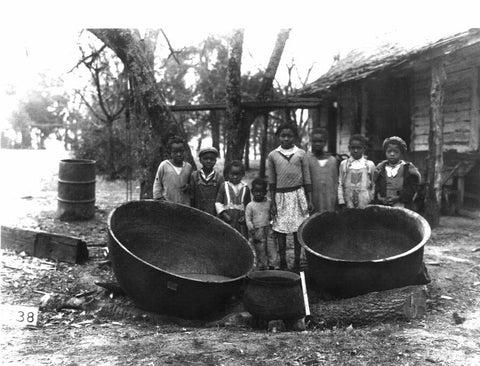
x,y
396,180
204,183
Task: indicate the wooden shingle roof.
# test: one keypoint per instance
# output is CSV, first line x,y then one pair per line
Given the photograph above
x,y
360,63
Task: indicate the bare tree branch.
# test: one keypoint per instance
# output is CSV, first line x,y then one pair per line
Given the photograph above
x,y
92,56
173,53
94,112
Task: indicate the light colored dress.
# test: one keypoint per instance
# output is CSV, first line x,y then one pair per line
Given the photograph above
x,y
288,170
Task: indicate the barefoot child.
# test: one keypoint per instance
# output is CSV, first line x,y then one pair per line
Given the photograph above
x,y
205,183
323,173
355,181
257,218
232,197
290,190
396,180
173,175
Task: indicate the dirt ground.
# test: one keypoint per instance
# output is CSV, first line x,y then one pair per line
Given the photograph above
x,y
82,336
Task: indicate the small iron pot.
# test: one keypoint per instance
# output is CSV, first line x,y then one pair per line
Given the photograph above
x,y
273,294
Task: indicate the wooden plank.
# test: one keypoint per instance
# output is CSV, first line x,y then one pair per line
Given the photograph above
x,y
44,245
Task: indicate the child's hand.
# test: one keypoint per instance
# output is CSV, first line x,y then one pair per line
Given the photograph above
x,y
273,210
310,207
225,217
391,201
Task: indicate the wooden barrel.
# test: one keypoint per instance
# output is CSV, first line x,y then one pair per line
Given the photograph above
x,y
76,189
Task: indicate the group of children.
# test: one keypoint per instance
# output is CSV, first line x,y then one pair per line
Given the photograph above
x,y
300,183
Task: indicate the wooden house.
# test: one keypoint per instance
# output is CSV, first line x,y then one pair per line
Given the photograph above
x,y
385,90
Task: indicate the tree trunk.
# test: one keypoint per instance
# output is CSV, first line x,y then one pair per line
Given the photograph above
x,y
233,98
137,58
266,87
247,153
397,304
255,140
110,152
264,146
215,125
241,131
435,143
26,138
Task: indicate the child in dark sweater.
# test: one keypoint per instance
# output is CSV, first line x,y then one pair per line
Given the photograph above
x,y
396,180
205,182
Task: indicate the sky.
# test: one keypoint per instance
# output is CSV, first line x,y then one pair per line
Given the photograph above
x,y
40,36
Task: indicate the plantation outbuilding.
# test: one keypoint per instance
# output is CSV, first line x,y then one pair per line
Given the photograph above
x,y
385,90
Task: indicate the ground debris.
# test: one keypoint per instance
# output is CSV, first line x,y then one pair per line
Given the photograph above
x,y
64,336
457,318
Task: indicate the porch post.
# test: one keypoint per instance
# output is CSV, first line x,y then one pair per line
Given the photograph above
x,y
435,144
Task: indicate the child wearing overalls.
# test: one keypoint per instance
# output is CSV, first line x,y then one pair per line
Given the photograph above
x,y
233,196
355,178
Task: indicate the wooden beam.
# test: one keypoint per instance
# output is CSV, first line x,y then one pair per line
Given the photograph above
x,y
300,103
435,143
44,245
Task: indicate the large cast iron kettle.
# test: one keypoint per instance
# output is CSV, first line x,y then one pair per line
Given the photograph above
x,y
176,260
363,250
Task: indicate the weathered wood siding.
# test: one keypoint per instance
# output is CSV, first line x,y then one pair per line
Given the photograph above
x,y
461,129
346,115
